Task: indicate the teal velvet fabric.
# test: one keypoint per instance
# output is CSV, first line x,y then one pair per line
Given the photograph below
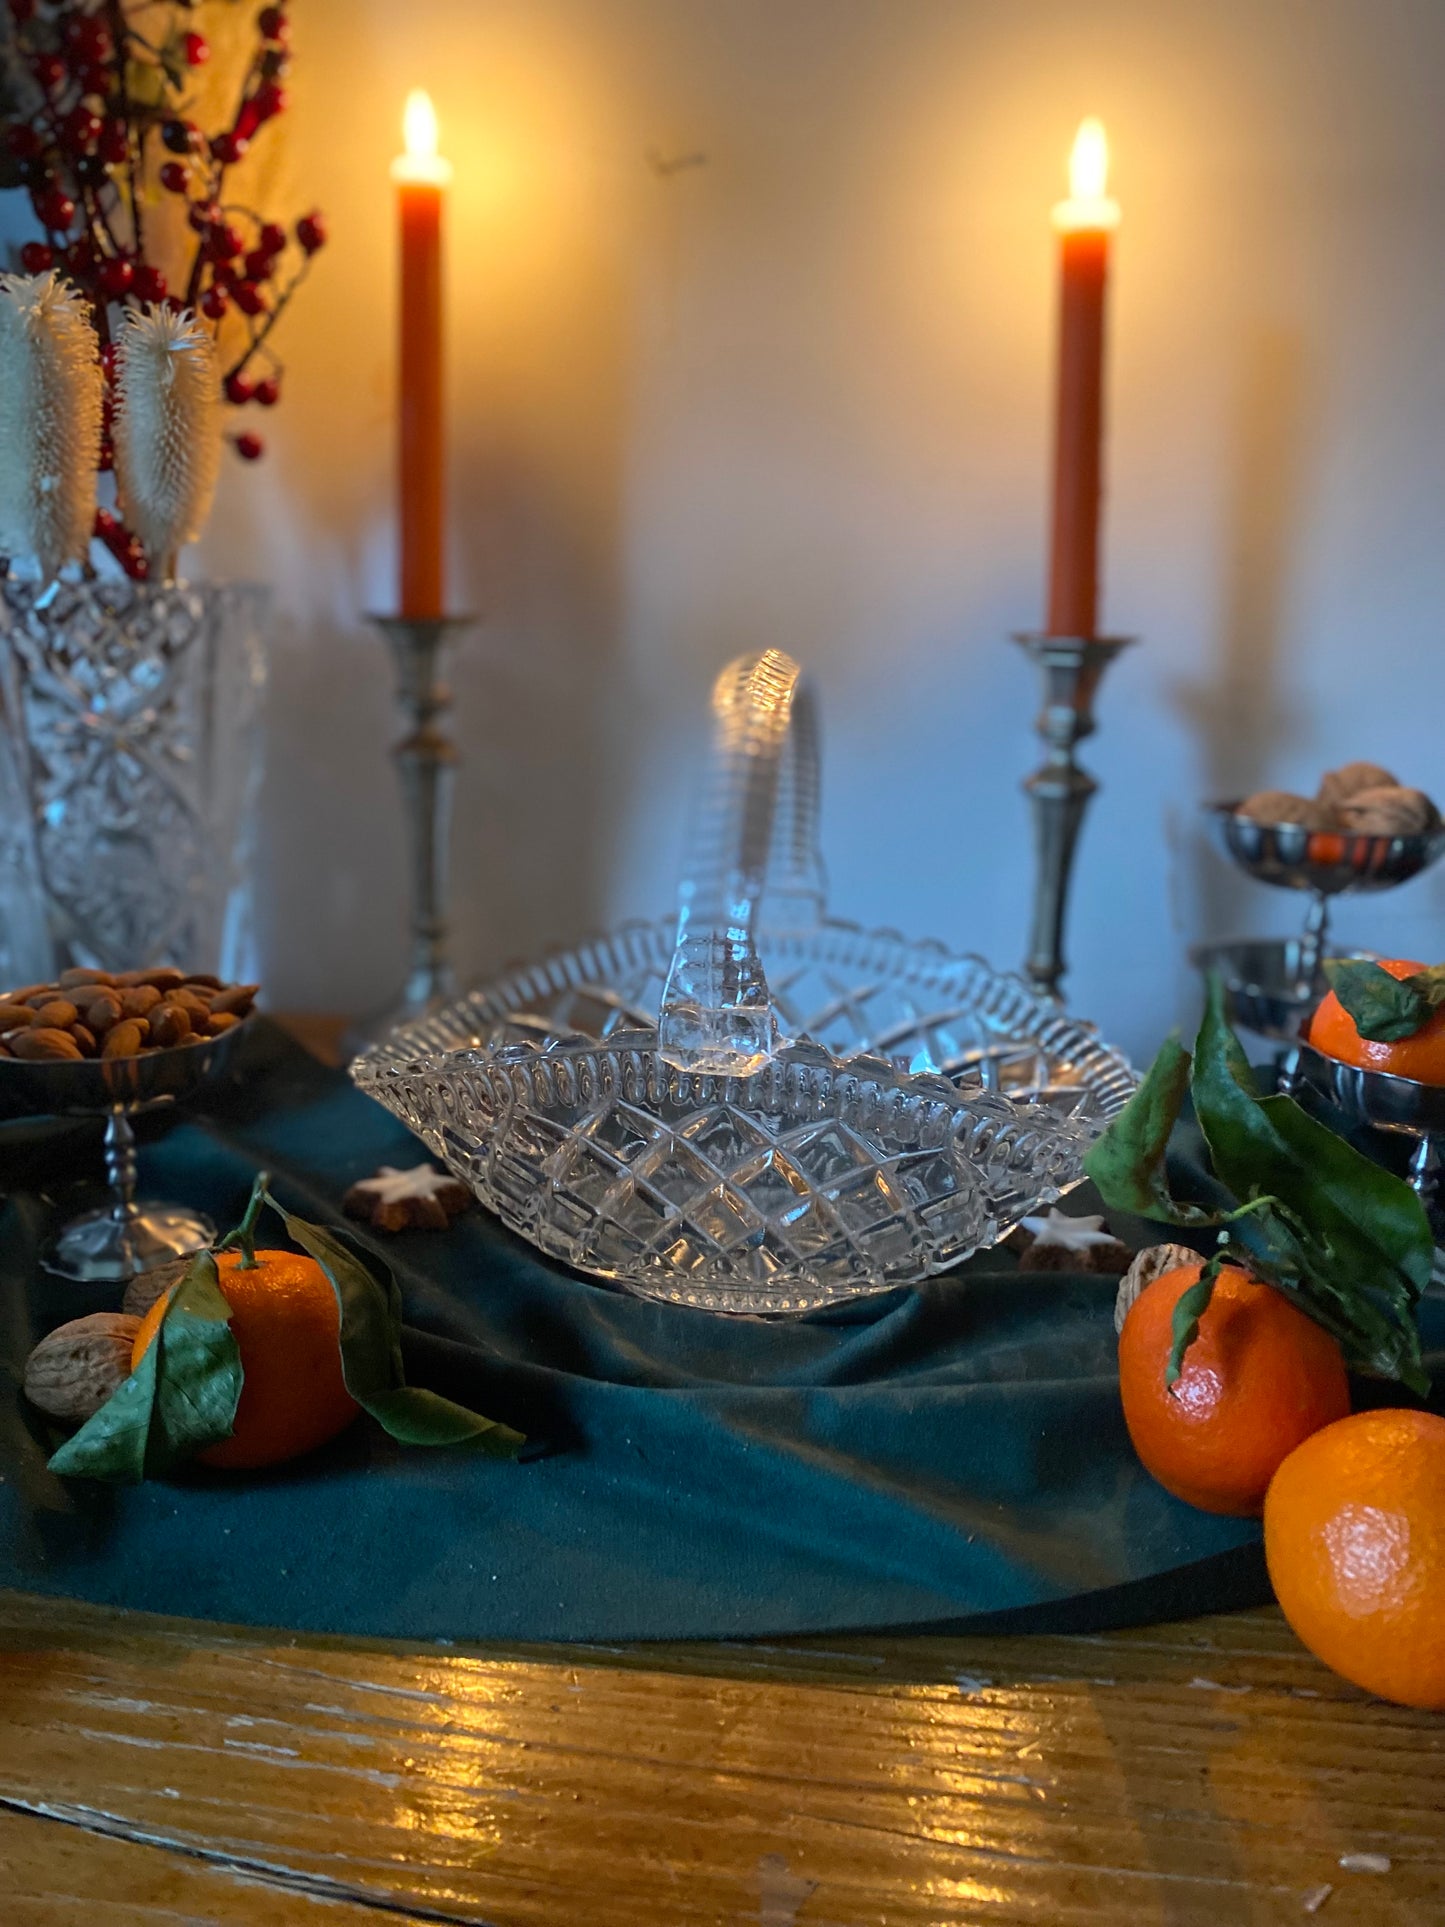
x,y
952,1455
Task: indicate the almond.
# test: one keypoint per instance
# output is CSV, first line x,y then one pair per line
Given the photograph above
x,y
223,1020
124,1039
203,980
85,1038
15,1017
59,1014
196,1008
38,1045
72,979
238,999
139,1001
73,1372
170,1023
103,1012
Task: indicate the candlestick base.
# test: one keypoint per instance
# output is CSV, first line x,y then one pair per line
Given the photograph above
x,y
426,764
1059,789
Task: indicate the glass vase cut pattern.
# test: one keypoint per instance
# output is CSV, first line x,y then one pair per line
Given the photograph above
x,y
752,1113
129,769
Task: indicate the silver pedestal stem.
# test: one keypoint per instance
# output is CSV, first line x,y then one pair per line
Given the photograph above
x,y
426,762
1059,789
121,1174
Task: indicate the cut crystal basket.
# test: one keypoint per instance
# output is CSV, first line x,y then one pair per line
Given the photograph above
x,y
753,1107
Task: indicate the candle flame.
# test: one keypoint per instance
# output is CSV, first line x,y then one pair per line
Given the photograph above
x,y
421,162
1088,161
1088,205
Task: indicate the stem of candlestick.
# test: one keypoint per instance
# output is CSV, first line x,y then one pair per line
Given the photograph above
x,y
426,762
1059,789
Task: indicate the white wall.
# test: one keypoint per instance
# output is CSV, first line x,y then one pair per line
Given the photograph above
x,y
797,393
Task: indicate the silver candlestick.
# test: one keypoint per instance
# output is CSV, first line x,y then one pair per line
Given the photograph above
x,y
1073,667
426,762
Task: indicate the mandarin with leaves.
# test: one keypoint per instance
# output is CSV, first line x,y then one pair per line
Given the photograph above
x,y
1258,1378
287,1328
1354,1536
1419,1056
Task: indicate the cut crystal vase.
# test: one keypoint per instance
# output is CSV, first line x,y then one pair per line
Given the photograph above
x,y
129,770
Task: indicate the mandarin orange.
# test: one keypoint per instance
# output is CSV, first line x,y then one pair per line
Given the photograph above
x,y
1354,1535
1259,1378
287,1328
1420,1056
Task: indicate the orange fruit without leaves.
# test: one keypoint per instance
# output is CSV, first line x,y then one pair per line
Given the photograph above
x,y
1354,1533
1259,1378
1421,1056
287,1328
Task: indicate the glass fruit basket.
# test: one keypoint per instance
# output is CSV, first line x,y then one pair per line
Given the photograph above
x,y
753,1107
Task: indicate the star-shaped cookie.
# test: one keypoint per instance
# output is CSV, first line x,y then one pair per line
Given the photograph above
x,y
422,1199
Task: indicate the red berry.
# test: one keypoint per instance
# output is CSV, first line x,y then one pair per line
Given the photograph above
x,y
55,209
271,239
80,256
223,243
175,176
149,283
36,257
311,232
202,215
93,80
80,129
271,23
105,522
88,38
269,100
268,392
115,277
250,447
214,304
259,265
178,135
238,390
23,141
109,360
275,63
250,299
229,148
114,144
198,49
49,70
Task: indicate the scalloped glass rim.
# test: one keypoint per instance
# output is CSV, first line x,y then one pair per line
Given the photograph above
x,y
836,1171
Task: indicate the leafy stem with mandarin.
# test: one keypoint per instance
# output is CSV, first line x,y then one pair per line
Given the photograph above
x,y
1342,1238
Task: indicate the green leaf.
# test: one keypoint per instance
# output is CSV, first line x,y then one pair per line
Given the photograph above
x,y
1189,1308
181,1397
1351,1241
371,1360
1127,1164
1384,1008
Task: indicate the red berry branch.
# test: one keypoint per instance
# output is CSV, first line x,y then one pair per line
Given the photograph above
x,y
98,121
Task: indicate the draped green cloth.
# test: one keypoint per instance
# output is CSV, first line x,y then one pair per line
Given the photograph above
x,y
949,1455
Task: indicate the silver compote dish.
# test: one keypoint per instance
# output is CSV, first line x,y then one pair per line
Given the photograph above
x,y
752,1107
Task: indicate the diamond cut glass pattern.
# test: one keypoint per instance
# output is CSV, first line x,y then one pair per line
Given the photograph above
x,y
834,1171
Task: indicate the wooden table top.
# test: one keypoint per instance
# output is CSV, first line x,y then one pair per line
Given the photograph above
x,y
162,1772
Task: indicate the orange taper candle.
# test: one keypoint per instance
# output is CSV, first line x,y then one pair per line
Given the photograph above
x,y
1085,222
421,177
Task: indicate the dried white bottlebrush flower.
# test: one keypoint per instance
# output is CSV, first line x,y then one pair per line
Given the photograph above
x,y
50,409
167,430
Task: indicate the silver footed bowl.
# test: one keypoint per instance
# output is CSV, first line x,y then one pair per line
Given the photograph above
x,y
124,1236
1327,862
928,1105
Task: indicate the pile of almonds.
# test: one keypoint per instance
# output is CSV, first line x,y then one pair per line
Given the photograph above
x,y
92,1013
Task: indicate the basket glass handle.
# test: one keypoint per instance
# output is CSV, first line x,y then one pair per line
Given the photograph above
x,y
755,832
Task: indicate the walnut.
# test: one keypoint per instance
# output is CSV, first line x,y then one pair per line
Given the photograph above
x,y
144,1289
1337,786
1281,806
73,1371
1150,1264
1388,811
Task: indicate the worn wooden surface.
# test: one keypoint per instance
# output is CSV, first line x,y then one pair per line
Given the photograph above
x,y
1211,1773
1204,1773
